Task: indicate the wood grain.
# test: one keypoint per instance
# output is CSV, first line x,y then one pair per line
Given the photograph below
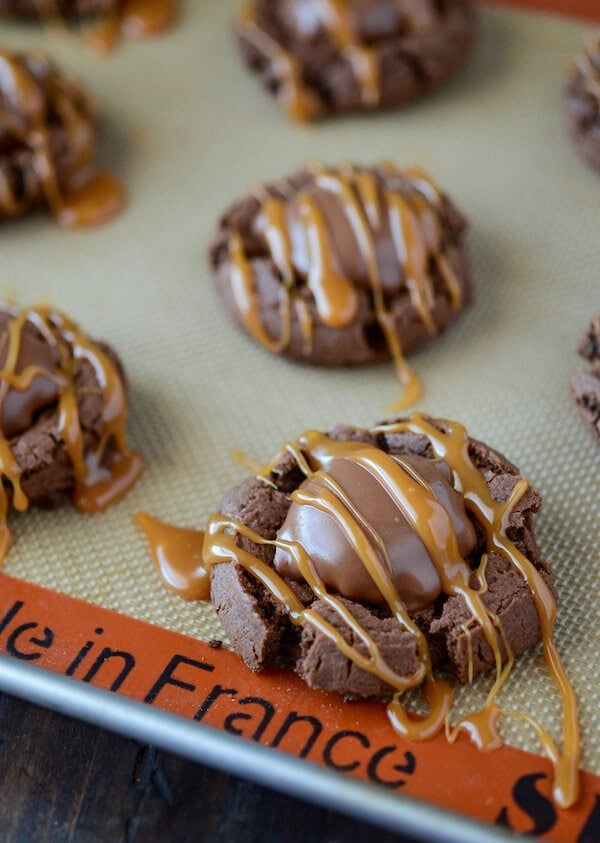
x,y
67,781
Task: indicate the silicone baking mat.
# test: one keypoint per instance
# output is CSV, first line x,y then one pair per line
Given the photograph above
x,y
189,131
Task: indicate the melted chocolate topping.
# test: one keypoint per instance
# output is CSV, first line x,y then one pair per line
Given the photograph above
x,y
40,353
351,25
47,141
349,229
359,489
36,354
112,19
430,508
362,493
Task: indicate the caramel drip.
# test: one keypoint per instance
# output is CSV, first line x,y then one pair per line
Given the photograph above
x,y
299,101
416,234
96,201
124,19
177,555
330,498
131,19
107,473
91,198
246,300
336,299
313,452
417,503
452,446
336,17
481,727
245,461
104,483
146,18
220,546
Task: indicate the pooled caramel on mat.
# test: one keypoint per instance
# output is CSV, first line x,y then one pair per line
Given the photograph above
x,y
370,528
47,145
63,413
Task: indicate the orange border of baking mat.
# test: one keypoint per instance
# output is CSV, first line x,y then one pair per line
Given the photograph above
x,y
189,677
586,9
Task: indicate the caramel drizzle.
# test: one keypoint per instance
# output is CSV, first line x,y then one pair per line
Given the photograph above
x,y
124,18
132,19
452,446
93,197
336,18
107,473
417,238
414,498
298,100
313,452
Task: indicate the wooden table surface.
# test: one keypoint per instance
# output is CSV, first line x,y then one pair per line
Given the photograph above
x,y
67,781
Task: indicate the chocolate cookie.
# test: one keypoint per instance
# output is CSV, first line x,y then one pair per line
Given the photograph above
x,y
327,56
583,101
52,8
362,559
585,385
343,265
63,412
47,143
116,17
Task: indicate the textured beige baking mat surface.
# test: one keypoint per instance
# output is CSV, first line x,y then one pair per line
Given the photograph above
x,y
189,131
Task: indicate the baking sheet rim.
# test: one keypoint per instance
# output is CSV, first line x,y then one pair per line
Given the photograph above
x,y
262,765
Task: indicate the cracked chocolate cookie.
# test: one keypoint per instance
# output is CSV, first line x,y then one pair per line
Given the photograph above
x,y
52,8
365,559
47,145
63,412
344,265
328,56
583,101
585,385
116,18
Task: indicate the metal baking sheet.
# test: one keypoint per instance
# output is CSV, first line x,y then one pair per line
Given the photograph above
x,y
189,131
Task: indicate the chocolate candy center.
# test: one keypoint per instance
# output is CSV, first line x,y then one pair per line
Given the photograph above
x,y
365,509
19,407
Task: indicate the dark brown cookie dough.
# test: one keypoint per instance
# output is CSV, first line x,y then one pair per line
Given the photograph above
x,y
47,132
62,416
585,385
583,101
115,19
52,8
329,56
260,628
343,265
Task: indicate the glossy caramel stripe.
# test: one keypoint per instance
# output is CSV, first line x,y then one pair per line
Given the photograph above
x,y
299,102
417,240
452,447
313,452
418,504
336,17
133,19
97,197
104,476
